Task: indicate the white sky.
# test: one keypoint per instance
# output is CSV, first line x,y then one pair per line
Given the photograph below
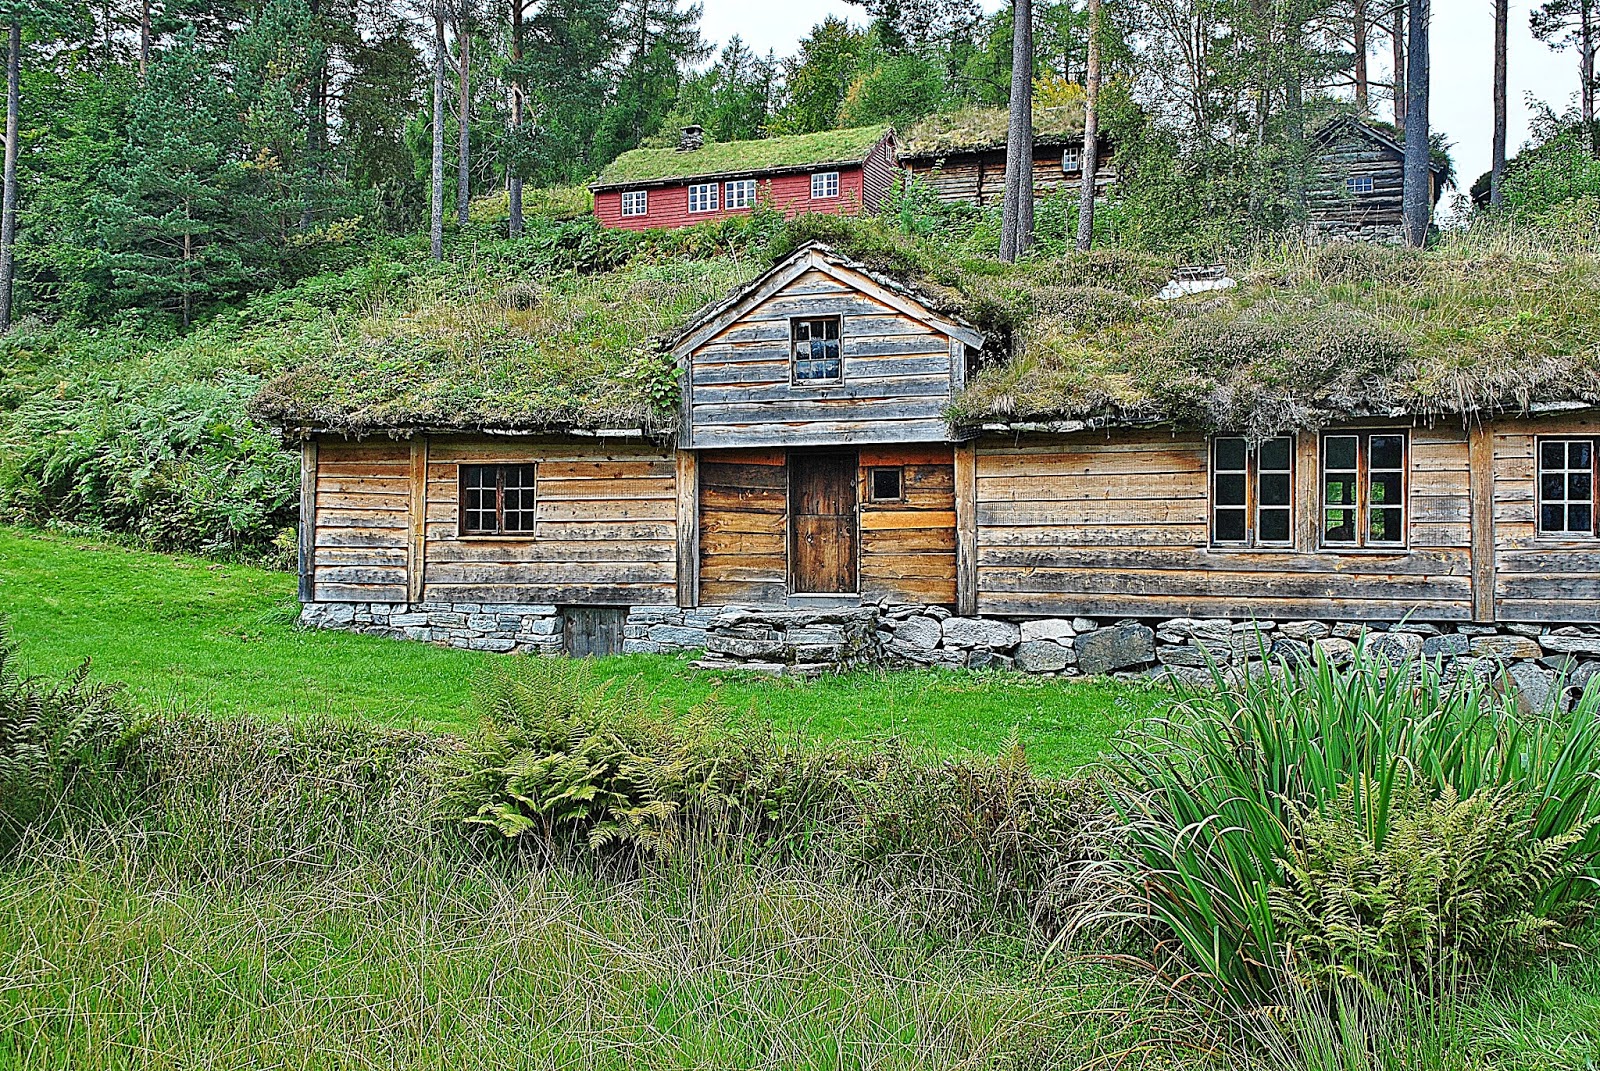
x,y
1462,58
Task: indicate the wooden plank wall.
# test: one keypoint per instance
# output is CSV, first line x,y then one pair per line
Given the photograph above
x,y
1537,578
744,524
606,529
896,386
908,549
979,178
360,538
1328,197
1107,526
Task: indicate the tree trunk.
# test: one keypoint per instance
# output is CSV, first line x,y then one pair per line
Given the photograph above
x,y
1358,20
144,38
1091,133
1497,170
1418,195
463,136
1586,47
436,221
316,112
8,202
514,185
1016,221
1397,32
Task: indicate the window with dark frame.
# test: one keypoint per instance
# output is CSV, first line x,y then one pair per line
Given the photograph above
x,y
1364,489
1567,487
816,350
886,484
498,499
1252,492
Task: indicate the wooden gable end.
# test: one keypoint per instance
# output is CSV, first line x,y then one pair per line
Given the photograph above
x,y
898,365
1376,168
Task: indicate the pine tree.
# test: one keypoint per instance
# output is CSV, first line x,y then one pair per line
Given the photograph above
x,y
1016,226
1091,133
1574,24
1497,169
661,41
1417,200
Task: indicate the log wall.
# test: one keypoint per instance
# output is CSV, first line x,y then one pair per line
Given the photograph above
x,y
360,530
1091,525
1538,578
1328,198
979,177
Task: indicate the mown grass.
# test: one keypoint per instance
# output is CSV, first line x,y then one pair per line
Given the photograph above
x,y
197,634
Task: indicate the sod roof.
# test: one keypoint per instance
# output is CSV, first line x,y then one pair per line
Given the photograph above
x,y
1307,338
822,149
980,129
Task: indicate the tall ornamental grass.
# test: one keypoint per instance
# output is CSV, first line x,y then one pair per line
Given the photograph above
x,y
1372,823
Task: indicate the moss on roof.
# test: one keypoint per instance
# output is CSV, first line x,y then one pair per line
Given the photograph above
x,y
974,129
743,157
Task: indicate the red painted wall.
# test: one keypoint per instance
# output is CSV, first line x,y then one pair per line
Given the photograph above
x,y
791,194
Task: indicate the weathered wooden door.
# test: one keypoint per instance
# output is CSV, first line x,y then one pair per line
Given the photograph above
x,y
823,524
592,631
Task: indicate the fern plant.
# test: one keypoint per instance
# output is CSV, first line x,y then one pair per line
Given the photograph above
x,y
49,734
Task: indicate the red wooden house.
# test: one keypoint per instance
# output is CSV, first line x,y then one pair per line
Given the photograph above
x,y
840,171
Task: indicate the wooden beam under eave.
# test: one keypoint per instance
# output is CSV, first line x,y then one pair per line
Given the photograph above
x,y
966,458
1480,482
307,551
417,545
688,486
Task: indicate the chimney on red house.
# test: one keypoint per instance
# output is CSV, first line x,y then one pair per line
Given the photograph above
x,y
693,137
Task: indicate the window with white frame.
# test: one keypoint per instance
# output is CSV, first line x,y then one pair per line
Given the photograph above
x,y
1072,158
703,197
635,202
741,193
1360,185
824,184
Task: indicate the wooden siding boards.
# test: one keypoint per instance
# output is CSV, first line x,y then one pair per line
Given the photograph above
x,y
1118,525
1538,578
744,525
360,518
908,548
978,177
668,204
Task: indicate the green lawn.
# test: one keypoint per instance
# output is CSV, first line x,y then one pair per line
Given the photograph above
x,y
185,631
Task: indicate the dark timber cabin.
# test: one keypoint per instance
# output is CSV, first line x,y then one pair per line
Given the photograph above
x,y
961,156
813,469
1357,182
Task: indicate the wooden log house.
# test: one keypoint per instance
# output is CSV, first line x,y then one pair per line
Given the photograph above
x,y
1357,183
814,469
961,156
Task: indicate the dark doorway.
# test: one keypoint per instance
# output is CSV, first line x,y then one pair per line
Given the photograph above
x,y
823,524
592,631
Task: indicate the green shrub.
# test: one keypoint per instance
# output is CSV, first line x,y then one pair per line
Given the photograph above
x,y
565,759
1298,767
51,735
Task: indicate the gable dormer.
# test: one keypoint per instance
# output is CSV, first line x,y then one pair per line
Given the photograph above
x,y
819,352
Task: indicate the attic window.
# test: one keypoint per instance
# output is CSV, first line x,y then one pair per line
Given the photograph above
x,y
635,202
1359,185
816,350
498,499
1072,158
703,197
824,184
1566,487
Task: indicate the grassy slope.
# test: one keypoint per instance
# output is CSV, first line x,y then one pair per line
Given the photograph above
x,y
191,632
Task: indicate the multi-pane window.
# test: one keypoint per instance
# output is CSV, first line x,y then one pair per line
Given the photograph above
x,y
1364,489
1566,486
498,499
1358,184
825,184
635,202
1072,158
885,484
703,197
1252,491
741,193
816,350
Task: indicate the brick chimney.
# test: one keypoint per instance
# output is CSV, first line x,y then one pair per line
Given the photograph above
x,y
692,138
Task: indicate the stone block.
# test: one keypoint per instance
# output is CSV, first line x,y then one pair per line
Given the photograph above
x,y
921,632
830,653
983,658
1505,648
1305,630
1350,630
327,615
1476,630
938,613
1291,652
701,618
415,632
484,622
408,620
1336,649
815,635
980,632
1394,648
1208,630
447,619
679,637
1182,655
1117,647
1050,628
543,626
1534,683
1084,624
1416,628
636,646
1450,645
1534,631
1571,641
744,647
1043,656
492,643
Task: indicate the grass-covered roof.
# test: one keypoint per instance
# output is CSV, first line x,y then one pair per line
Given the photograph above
x,y
1307,338
827,147
977,129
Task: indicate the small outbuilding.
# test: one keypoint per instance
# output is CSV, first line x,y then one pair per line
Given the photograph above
x,y
961,156
1358,182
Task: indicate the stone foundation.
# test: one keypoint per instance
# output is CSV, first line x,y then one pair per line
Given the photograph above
x,y
813,641
1343,230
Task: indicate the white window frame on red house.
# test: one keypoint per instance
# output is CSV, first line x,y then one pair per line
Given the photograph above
x,y
708,196
635,202
828,184
741,193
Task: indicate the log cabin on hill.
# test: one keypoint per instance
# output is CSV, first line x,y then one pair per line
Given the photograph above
x,y
833,171
835,488
1357,183
961,156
